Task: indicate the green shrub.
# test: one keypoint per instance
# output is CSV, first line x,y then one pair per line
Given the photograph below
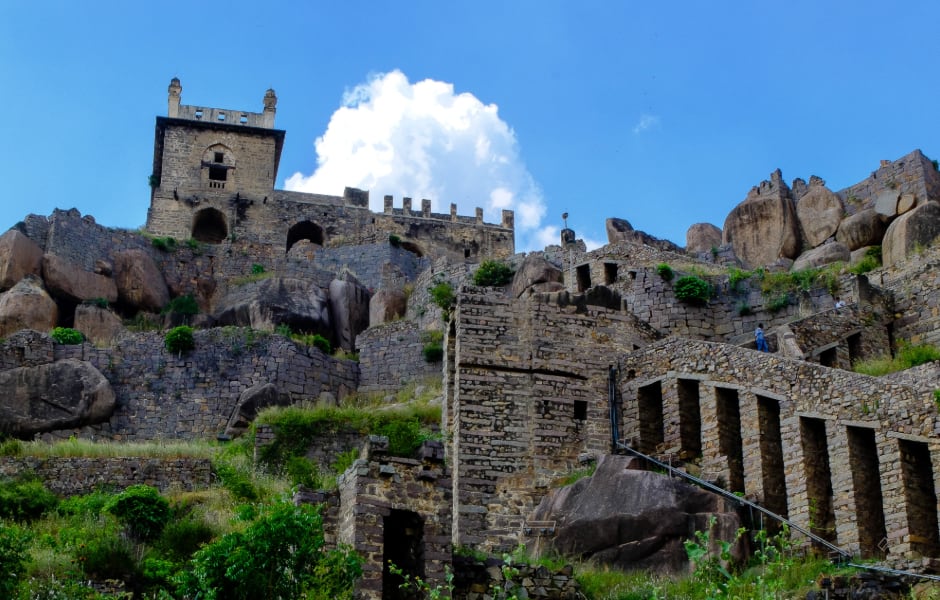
x,y
279,555
14,555
665,271
778,302
692,290
492,273
179,339
235,481
344,460
182,305
284,330
735,277
99,302
302,471
11,447
104,554
90,504
433,352
442,294
67,336
322,343
164,244
25,499
744,309
184,536
907,356
404,437
257,269
394,240
142,510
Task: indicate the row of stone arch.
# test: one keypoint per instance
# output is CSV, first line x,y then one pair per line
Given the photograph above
x,y
211,227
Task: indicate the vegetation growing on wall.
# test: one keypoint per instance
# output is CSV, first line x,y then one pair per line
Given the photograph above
x,y
492,273
179,340
907,356
67,336
692,290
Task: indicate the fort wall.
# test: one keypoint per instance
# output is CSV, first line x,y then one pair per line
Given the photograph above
x,y
391,357
166,396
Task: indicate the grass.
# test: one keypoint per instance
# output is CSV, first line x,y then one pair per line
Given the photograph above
x,y
82,448
907,356
251,278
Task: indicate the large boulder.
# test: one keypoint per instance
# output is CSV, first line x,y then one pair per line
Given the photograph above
x,y
387,305
27,305
702,237
823,255
886,203
864,228
764,227
67,280
535,270
265,304
19,257
140,283
632,519
60,395
100,325
250,403
349,306
918,227
820,212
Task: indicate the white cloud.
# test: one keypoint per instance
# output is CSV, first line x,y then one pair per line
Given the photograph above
x,y
422,140
646,121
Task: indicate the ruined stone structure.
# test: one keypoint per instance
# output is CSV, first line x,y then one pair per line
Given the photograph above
x,y
214,172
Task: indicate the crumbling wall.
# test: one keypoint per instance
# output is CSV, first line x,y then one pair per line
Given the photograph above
x,y
391,356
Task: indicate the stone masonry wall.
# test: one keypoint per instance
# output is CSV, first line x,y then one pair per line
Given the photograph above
x,y
391,356
915,285
77,476
528,395
809,397
165,396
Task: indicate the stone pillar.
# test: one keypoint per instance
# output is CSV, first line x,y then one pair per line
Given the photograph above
x,y
750,445
174,90
388,205
672,435
479,216
426,208
713,463
270,107
843,487
453,212
892,492
793,457
509,219
406,206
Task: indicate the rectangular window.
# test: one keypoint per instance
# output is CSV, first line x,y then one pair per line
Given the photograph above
x,y
243,119
217,173
219,157
580,410
221,116
198,114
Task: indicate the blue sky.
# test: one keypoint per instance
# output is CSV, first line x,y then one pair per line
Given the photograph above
x,y
664,114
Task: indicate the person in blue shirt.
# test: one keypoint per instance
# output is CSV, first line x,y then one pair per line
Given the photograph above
x,y
761,340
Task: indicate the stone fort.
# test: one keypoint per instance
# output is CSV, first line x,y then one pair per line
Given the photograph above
x,y
214,172
583,355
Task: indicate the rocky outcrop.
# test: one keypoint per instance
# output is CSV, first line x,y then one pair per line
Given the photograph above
x,y
349,305
917,227
27,305
764,227
251,401
886,203
823,255
265,304
100,325
59,395
819,211
386,305
140,283
19,257
632,519
702,237
620,230
536,274
864,228
65,279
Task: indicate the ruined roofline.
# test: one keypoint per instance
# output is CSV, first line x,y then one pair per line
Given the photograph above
x,y
205,114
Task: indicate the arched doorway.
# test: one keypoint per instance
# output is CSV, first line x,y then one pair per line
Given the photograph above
x,y
209,226
305,230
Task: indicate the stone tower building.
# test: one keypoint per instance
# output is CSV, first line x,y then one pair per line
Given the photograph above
x,y
214,173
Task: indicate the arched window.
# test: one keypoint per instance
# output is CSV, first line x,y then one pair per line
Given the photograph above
x,y
218,163
209,226
305,230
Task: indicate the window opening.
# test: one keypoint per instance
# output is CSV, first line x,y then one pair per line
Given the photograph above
x,y
580,410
